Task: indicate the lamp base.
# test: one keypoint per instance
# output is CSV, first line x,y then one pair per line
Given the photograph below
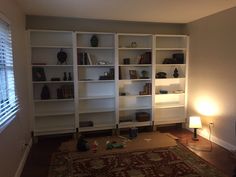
x,y
195,138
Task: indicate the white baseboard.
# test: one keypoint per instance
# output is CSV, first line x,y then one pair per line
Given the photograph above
x,y
23,160
216,140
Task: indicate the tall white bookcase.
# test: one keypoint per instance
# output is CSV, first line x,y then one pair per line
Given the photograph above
x,y
170,107
112,85
96,82
51,115
134,93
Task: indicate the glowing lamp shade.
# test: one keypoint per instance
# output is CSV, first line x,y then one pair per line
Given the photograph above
x,y
195,123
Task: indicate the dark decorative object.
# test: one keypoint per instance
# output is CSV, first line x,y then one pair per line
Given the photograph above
x,y
82,144
94,41
133,133
69,77
169,61
142,116
161,75
147,89
55,79
146,58
60,93
86,123
163,91
108,75
144,74
176,73
126,61
179,57
38,74
134,44
65,76
45,93
61,57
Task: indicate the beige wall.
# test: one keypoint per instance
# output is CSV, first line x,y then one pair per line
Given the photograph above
x,y
17,133
212,74
79,24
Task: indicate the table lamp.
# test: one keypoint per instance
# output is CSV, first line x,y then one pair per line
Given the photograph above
x,y
195,123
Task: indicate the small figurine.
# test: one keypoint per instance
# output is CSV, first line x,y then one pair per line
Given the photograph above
x,y
176,73
65,76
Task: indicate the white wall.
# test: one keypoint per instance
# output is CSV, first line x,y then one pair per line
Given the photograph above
x,y
212,74
17,133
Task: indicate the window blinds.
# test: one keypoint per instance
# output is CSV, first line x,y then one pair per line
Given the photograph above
x,y
8,98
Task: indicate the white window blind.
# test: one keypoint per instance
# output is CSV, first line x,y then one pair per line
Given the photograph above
x,y
8,98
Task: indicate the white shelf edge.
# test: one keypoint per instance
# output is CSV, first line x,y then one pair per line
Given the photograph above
x,y
51,65
135,48
174,48
54,114
46,131
172,78
51,82
96,48
96,111
97,97
95,81
170,65
171,35
127,96
97,127
134,108
169,94
125,80
134,124
136,65
96,65
52,46
134,34
53,100
97,33
166,106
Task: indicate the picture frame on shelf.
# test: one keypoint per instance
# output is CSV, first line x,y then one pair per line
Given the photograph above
x,y
133,74
38,74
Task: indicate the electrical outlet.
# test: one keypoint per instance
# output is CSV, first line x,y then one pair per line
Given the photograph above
x,y
211,124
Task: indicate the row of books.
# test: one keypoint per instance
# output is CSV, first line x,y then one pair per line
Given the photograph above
x,y
84,58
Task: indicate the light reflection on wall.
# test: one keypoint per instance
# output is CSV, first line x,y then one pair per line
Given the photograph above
x,y
207,106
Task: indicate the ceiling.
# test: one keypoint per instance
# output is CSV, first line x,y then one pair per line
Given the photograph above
x,y
168,11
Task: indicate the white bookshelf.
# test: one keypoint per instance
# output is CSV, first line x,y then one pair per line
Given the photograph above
x,y
51,115
106,92
96,81
170,107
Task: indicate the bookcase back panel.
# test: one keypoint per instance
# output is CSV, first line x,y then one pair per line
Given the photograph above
x,y
96,104
101,119
51,38
49,56
135,102
171,42
54,107
100,89
51,123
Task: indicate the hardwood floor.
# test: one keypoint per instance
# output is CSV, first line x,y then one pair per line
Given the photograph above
x,y
37,164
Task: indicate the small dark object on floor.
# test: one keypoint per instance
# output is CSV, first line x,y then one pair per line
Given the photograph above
x,y
133,133
82,144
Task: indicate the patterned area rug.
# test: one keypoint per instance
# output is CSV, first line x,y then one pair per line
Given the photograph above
x,y
173,161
